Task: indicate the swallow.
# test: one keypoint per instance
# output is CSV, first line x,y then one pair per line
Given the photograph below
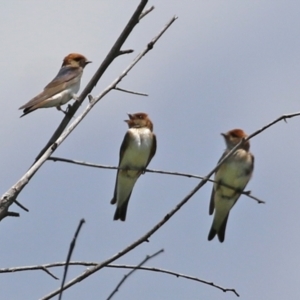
x,y
137,150
62,88
236,172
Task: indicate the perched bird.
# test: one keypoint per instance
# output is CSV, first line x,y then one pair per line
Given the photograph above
x,y
137,149
236,172
62,88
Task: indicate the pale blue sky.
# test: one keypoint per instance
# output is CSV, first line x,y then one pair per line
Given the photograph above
x,y
221,65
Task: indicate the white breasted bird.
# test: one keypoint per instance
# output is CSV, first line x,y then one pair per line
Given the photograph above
x,y
137,150
236,172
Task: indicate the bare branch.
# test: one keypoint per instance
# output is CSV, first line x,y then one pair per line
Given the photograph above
x,y
130,92
248,193
121,52
89,264
12,214
134,269
283,117
71,249
43,267
175,274
82,163
48,272
32,268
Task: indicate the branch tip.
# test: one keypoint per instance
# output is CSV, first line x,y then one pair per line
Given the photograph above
x,y
20,205
131,92
146,12
48,272
121,52
12,214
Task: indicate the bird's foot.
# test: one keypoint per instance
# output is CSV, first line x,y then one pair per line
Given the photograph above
x,y
60,109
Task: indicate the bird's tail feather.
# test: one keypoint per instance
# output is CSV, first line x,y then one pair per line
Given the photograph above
x,y
221,231
212,233
120,213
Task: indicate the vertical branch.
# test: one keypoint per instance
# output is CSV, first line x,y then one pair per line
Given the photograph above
x,y
72,246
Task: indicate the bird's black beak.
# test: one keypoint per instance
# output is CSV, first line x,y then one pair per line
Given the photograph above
x,y
224,135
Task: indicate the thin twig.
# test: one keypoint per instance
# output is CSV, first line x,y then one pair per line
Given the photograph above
x,y
71,249
133,270
20,205
90,264
82,163
32,268
146,12
283,117
128,51
130,92
48,272
175,274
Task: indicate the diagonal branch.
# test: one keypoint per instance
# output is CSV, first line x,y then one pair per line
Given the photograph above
x,y
283,117
146,12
